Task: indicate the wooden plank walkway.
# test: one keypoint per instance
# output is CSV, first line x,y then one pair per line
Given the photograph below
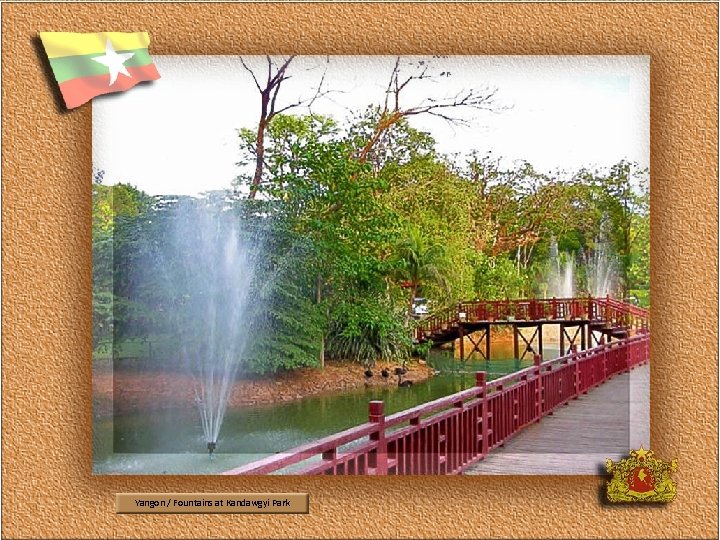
x,y
605,423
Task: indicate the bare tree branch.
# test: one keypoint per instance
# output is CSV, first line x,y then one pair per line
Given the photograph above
x,y
483,100
276,76
257,84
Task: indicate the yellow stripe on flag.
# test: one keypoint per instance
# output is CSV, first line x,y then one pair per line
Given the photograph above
x,y
58,44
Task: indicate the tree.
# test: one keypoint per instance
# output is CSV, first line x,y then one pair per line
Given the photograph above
x,y
113,206
309,169
619,199
420,263
277,74
427,195
497,278
518,207
407,73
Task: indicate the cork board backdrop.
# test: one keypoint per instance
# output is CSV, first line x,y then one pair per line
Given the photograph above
x,y
48,489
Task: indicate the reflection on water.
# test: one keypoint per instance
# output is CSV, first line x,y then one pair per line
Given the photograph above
x,y
171,441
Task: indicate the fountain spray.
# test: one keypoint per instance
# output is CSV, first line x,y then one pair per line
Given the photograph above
x,y
211,448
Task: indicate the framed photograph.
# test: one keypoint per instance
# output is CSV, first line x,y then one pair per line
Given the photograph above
x,y
428,242
326,237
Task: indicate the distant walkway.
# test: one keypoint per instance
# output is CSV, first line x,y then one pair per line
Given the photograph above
x,y
605,423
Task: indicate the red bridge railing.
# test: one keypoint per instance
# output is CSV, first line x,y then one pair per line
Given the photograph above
x,y
613,312
447,435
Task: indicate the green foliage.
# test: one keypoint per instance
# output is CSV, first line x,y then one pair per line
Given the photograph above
x,y
365,331
330,200
618,201
435,205
397,146
642,296
422,266
497,278
422,350
350,241
288,333
111,205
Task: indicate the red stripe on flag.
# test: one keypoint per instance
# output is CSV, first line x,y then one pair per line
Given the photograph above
x,y
78,91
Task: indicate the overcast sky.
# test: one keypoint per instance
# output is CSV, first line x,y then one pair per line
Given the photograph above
x,y
179,134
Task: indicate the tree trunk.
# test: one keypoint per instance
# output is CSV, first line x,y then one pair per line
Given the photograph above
x,y
529,255
318,299
259,158
260,142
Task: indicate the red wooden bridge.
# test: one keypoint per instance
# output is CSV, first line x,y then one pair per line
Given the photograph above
x,y
450,434
583,321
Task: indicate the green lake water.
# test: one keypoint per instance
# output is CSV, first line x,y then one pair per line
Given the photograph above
x,y
171,442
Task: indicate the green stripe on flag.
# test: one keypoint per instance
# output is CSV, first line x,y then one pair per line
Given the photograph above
x,y
71,67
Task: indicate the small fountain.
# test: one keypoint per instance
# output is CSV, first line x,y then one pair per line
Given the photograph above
x,y
561,278
601,272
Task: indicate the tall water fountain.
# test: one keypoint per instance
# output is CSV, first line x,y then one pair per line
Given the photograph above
x,y
561,274
601,271
211,264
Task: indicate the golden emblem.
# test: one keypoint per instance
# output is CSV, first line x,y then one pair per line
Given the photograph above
x,y
641,478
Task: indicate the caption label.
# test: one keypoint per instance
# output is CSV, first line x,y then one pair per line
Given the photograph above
x,y
212,503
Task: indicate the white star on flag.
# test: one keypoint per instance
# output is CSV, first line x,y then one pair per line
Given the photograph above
x,y
114,61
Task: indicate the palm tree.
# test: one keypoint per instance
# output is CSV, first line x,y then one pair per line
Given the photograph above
x,y
420,262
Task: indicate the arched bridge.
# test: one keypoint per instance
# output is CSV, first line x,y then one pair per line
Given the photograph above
x,y
583,323
450,434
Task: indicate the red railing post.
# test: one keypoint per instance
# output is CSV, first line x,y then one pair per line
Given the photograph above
x,y
608,316
626,354
576,371
604,359
378,459
537,360
481,382
573,352
331,456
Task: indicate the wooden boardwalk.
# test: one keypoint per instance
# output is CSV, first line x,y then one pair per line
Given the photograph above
x,y
605,423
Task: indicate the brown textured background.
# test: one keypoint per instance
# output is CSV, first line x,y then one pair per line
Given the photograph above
x,y
48,490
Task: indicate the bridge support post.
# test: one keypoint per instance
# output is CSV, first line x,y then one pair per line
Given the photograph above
x,y
487,343
537,360
516,344
461,332
540,345
571,338
481,382
378,459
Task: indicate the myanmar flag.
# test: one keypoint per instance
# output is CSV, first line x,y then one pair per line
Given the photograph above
x,y
88,65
